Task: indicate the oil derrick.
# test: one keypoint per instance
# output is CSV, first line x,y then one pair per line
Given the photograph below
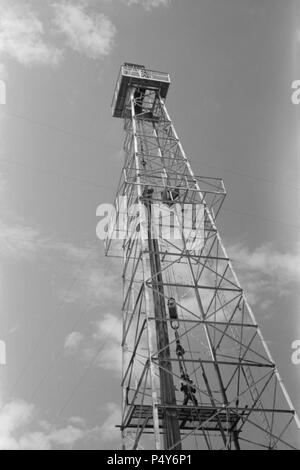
x,y
197,373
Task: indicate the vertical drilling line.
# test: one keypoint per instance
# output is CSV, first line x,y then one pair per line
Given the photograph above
x,y
168,396
167,389
153,367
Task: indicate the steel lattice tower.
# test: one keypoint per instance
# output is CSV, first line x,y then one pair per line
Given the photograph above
x,y
197,372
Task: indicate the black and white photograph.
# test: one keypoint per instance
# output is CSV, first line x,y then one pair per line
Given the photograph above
x,y
149,227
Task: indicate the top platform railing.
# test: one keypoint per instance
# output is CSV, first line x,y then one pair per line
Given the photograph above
x,y
135,74
145,73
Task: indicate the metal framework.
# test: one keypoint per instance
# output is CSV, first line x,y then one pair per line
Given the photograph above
x,y
197,372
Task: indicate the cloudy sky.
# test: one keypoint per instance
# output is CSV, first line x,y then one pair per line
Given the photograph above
x,y
232,63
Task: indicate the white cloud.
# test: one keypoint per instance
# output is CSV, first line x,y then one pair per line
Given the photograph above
x,y
102,346
108,431
72,341
95,285
108,333
22,36
149,4
265,272
109,326
33,441
89,34
20,240
13,416
67,436
77,421
284,266
3,71
17,240
20,430
64,438
3,182
69,251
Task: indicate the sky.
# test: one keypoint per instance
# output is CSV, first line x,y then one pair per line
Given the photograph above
x,y
232,63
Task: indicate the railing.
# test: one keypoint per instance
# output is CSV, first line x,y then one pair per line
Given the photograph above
x,y
145,73
138,73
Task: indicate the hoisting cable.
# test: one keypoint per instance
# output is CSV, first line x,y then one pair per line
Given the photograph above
x,y
187,385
